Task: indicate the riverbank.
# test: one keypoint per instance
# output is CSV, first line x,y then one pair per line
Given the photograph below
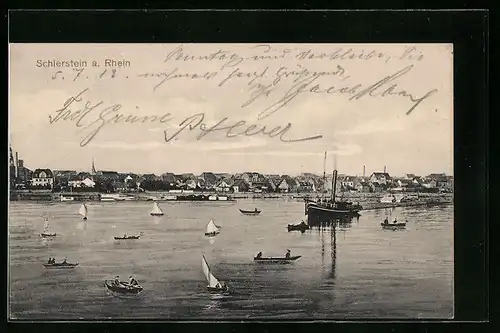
x,y
369,201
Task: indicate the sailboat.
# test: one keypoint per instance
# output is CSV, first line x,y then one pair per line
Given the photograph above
x,y
83,211
212,229
156,211
214,285
46,230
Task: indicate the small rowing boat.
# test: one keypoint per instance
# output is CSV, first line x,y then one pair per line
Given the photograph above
x,y
250,212
298,227
123,287
60,265
125,237
276,260
398,225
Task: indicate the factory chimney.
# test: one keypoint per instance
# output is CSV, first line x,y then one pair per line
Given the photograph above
x,y
364,171
17,165
385,169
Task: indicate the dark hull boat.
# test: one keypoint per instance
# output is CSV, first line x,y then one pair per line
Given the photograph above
x,y
218,290
128,237
123,288
276,260
250,212
400,225
60,266
298,227
48,235
211,234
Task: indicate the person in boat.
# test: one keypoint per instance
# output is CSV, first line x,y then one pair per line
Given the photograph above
x,y
259,255
218,286
117,281
124,235
386,221
132,281
64,261
288,254
255,209
49,261
395,221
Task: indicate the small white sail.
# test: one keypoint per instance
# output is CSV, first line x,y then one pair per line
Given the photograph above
x,y
212,280
212,228
83,210
156,210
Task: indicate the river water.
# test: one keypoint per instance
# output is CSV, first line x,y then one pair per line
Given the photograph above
x,y
355,271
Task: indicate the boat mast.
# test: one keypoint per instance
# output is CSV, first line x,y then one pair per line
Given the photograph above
x,y
324,175
334,185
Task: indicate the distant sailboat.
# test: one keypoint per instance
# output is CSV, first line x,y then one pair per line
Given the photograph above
x,y
156,211
213,283
83,211
212,229
46,230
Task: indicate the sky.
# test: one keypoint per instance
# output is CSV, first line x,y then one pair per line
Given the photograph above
x,y
355,128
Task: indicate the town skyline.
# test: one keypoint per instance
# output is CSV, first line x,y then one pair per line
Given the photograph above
x,y
328,173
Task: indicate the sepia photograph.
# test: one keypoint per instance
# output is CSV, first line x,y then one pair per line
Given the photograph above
x,y
213,182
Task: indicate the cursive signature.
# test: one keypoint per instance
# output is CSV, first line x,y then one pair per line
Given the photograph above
x,y
94,117
385,87
234,129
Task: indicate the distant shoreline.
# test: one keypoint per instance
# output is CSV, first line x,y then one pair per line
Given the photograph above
x,y
369,201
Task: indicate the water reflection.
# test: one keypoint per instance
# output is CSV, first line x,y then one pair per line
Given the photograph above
x,y
332,229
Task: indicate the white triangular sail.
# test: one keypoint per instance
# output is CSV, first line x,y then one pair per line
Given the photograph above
x,y
156,210
212,280
83,210
212,228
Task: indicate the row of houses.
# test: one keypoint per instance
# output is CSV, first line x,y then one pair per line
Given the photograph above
x,y
61,180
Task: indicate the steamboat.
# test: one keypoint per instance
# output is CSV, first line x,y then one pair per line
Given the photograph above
x,y
329,209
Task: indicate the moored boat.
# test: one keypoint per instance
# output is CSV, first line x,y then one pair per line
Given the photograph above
x,y
156,211
250,212
214,285
64,198
123,287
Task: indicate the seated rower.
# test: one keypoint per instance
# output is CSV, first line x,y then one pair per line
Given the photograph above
x,y
259,255
117,280
386,221
132,281
64,261
287,255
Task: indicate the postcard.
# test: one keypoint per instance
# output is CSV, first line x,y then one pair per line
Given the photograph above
x,y
219,182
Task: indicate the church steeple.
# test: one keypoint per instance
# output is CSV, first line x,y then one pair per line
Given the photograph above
x,y
93,167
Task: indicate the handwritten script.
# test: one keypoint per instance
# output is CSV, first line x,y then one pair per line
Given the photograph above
x,y
93,117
